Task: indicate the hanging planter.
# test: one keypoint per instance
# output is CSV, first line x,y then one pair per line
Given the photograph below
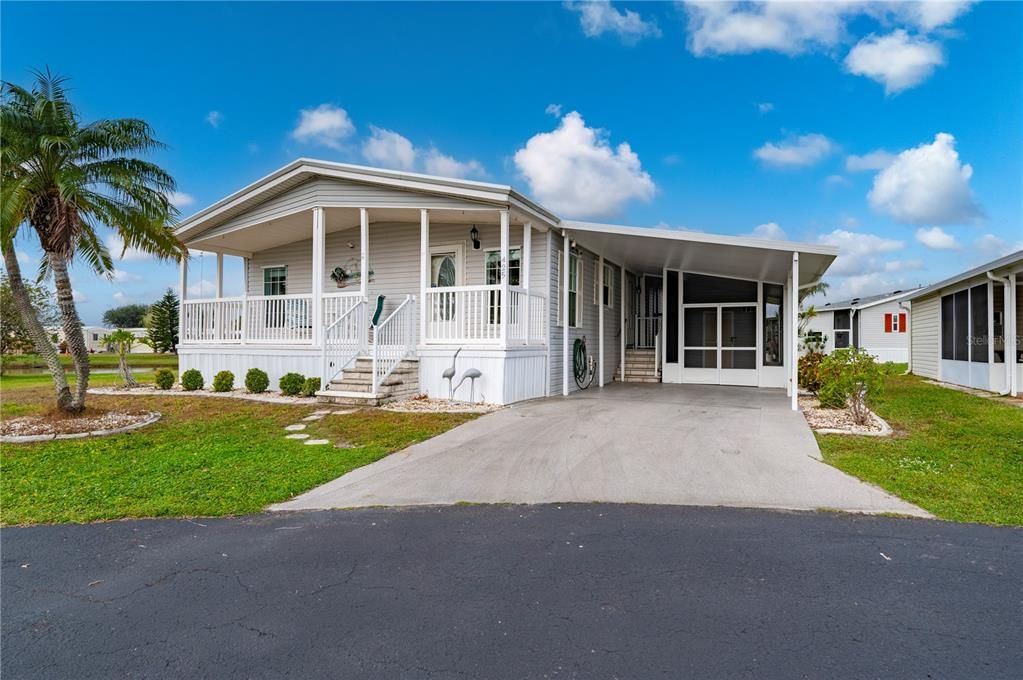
x,y
339,276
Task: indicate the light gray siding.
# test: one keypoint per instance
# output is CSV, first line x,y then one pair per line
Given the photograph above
x,y
872,334
925,336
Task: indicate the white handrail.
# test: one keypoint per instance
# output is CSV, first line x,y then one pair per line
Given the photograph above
x,y
393,340
343,341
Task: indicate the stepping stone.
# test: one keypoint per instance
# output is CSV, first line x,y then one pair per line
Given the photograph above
x,y
314,416
344,412
315,442
299,435
321,413
294,428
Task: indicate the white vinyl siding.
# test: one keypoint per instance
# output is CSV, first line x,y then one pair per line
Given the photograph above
x,y
871,322
925,336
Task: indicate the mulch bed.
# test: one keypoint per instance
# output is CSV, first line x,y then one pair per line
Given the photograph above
x,y
835,418
58,422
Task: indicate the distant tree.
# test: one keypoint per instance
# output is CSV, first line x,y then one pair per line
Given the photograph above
x,y
14,336
121,340
162,324
126,316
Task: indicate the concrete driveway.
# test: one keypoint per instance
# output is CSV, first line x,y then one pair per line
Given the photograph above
x,y
625,443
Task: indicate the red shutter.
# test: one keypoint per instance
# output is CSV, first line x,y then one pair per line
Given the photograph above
x,y
902,322
888,323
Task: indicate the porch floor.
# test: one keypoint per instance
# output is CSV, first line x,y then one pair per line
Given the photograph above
x,y
625,443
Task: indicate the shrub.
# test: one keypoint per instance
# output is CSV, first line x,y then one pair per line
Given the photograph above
x,y
256,381
810,371
223,381
191,380
853,378
164,378
291,384
310,387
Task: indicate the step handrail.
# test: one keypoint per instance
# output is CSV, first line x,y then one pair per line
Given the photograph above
x,y
357,343
393,340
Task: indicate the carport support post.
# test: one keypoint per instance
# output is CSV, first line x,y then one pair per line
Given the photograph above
x,y
794,342
1011,332
600,319
424,272
564,317
363,252
506,303
621,325
525,270
319,241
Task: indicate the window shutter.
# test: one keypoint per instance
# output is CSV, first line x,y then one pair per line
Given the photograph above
x,y
888,322
902,322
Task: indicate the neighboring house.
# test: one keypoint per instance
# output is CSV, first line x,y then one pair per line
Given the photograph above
x,y
477,267
966,330
878,324
94,338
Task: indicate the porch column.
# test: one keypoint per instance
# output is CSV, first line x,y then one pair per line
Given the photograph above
x,y
525,270
1010,325
363,252
600,319
220,275
319,243
184,295
564,318
621,325
424,272
245,301
794,341
505,310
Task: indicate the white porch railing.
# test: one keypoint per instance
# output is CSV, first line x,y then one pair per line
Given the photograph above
x,y
393,340
344,339
219,320
472,315
279,319
647,328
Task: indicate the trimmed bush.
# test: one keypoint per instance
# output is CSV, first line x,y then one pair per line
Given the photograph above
x,y
850,378
291,384
191,380
164,378
810,371
256,381
223,381
310,387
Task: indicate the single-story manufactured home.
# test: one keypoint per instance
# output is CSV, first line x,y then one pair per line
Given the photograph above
x,y
383,282
965,329
878,324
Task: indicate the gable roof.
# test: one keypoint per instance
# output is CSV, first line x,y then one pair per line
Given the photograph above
x,y
865,301
1012,262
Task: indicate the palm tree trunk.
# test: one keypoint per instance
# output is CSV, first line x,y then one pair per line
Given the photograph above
x,y
125,369
40,338
72,329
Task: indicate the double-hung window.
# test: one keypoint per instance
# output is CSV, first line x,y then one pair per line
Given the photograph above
x,y
492,275
574,284
275,282
607,294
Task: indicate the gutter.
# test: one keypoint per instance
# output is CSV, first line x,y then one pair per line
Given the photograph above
x,y
1008,324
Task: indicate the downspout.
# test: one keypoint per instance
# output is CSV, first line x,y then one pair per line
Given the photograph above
x,y
1008,305
909,350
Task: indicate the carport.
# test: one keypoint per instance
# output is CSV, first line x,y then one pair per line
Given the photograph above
x,y
624,443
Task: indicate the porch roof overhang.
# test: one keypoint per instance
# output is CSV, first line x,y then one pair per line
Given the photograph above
x,y
1003,266
649,250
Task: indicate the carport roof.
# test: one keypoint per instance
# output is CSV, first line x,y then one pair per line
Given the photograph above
x,y
649,250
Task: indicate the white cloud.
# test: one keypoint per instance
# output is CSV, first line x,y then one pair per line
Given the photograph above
x,y
79,296
437,163
859,253
214,118
787,27
765,107
121,276
797,151
861,285
928,16
926,185
574,170
836,180
180,199
118,296
770,230
898,61
389,149
326,125
115,245
936,238
598,17
878,159
993,247
554,110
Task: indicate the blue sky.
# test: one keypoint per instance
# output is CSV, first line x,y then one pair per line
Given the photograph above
x,y
892,130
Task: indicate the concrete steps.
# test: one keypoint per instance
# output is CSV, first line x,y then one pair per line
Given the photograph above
x,y
354,386
640,367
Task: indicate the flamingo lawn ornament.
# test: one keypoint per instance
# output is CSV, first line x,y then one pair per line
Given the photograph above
x,y
471,374
449,375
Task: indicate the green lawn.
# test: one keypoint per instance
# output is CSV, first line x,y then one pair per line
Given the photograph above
x,y
957,455
100,360
205,457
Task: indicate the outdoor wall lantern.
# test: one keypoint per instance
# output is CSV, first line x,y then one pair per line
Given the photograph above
x,y
474,234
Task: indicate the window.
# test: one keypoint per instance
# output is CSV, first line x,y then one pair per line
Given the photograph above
x,y
275,280
95,337
609,283
842,326
493,267
774,347
964,328
574,274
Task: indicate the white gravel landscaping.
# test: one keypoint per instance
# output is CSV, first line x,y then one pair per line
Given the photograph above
x,y
27,429
438,406
150,391
839,420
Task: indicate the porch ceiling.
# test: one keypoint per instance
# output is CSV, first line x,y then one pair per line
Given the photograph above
x,y
651,250
299,227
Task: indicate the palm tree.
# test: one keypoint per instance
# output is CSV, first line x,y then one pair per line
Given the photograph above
x,y
64,178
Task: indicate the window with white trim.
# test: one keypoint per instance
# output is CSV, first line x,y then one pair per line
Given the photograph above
x,y
492,259
275,280
574,283
609,283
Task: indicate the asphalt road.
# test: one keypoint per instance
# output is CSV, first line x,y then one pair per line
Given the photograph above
x,y
584,591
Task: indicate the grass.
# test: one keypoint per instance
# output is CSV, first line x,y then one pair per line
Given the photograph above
x,y
99,360
956,455
204,458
